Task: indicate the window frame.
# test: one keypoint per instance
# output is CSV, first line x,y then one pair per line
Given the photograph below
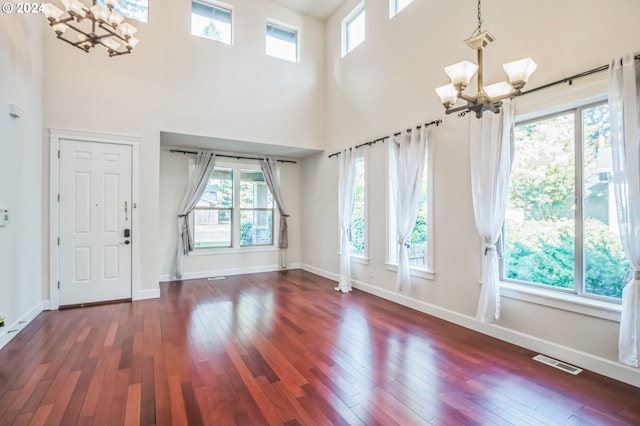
x,y
394,7
358,10
146,20
219,6
253,209
236,246
364,257
391,263
287,28
192,218
592,304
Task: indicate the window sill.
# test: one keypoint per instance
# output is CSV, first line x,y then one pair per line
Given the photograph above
x,y
415,272
230,250
567,302
360,259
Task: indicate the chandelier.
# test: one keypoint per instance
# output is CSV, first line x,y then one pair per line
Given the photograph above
x,y
487,98
92,25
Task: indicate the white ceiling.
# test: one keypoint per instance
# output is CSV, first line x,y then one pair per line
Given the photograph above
x,y
191,142
320,9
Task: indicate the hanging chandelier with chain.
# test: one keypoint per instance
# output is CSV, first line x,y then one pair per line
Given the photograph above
x,y
487,98
92,26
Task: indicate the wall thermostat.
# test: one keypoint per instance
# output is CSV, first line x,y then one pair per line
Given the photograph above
x,y
4,217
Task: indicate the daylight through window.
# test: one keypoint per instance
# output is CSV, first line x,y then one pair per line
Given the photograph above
x,y
561,228
359,217
236,210
353,29
282,43
211,21
396,6
419,240
133,9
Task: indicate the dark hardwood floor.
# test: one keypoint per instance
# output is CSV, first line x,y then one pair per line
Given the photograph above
x,y
284,348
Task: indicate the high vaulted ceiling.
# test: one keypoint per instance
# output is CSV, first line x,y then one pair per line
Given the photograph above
x,y
320,9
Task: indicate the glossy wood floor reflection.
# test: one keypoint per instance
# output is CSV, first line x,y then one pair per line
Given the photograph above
x,y
284,348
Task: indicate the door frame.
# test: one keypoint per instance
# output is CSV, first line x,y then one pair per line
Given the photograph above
x,y
55,135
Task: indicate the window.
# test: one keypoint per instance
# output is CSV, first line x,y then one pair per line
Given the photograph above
x,y
256,210
353,29
561,229
396,6
133,9
282,42
359,217
420,250
213,215
211,21
236,210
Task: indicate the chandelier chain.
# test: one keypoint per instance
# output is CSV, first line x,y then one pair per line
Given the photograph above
x,y
479,28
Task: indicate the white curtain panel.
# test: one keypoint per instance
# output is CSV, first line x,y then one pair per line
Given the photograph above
x,y
346,199
198,180
406,166
271,173
625,143
491,155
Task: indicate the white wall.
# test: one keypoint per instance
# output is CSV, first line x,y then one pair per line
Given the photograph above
x,y
21,178
173,181
387,84
179,83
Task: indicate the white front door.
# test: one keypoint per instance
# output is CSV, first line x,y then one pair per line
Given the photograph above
x,y
95,222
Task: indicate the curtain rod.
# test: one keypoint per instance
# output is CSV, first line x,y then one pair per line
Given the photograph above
x,y
571,78
436,122
237,157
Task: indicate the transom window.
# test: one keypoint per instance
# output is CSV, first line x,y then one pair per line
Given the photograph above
x,y
282,42
396,6
561,228
353,29
236,210
133,9
212,21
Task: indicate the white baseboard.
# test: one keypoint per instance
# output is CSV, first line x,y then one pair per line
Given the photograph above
x,y
12,331
148,294
229,272
612,369
326,274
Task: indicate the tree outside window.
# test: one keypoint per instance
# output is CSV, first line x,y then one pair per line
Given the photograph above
x,y
561,227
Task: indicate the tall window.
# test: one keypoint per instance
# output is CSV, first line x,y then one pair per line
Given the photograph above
x,y
256,210
133,9
353,29
419,255
359,217
282,42
213,215
396,6
561,229
236,210
212,21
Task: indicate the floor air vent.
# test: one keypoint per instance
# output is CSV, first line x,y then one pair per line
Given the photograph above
x,y
558,364
216,278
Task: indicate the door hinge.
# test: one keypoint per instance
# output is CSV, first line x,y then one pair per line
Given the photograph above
x,y
58,285
58,197
58,153
58,240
